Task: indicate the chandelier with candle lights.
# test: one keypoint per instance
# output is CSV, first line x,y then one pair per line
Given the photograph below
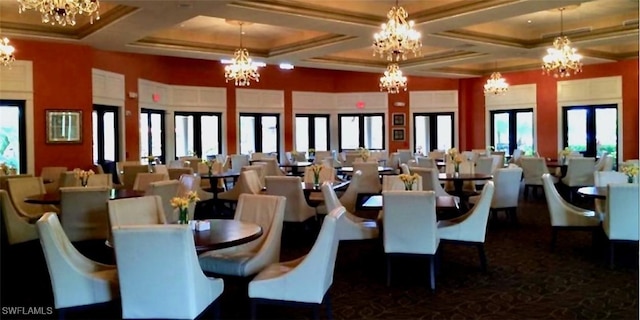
x,y
393,80
397,37
62,12
241,70
561,60
496,84
6,52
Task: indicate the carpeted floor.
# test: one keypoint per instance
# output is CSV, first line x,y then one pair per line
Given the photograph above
x,y
525,280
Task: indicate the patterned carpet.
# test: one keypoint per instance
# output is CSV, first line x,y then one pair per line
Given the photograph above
x,y
525,280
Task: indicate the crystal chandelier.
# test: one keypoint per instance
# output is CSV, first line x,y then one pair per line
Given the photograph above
x,y
393,80
241,70
6,52
496,84
561,59
62,12
397,37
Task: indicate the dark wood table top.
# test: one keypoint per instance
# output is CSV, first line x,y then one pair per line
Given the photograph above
x,y
593,192
298,164
310,187
555,164
464,176
218,175
54,198
225,233
442,203
350,169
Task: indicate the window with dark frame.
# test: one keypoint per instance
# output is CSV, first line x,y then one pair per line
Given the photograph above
x,y
198,132
259,132
152,141
361,130
433,131
512,129
312,132
13,146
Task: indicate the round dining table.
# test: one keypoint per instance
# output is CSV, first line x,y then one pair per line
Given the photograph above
x,y
349,170
459,178
225,233
296,166
593,192
54,198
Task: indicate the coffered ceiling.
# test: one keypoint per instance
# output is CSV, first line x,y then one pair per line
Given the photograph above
x,y
461,38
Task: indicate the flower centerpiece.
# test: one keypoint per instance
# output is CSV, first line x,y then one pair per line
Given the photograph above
x,y
364,153
182,204
6,169
209,164
83,176
408,180
564,154
294,156
490,149
312,152
631,170
456,158
316,168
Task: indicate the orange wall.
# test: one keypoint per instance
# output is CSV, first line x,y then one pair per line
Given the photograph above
x,y
472,106
62,80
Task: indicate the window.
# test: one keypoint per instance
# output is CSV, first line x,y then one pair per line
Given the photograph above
x,y
152,133
106,136
361,130
13,139
512,129
199,133
259,132
432,131
591,130
312,131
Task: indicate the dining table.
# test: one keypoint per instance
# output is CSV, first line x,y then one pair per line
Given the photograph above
x,y
349,170
225,233
459,178
593,192
296,166
55,198
447,207
215,177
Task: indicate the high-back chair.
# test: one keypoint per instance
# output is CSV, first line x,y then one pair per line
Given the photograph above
x,y
22,188
297,209
176,173
506,191
532,170
248,182
191,182
350,226
621,219
130,173
250,258
120,170
159,273
161,168
143,180
75,279
579,173
84,210
271,168
405,155
326,174
470,228
564,215
166,190
52,175
430,182
321,155
17,227
370,177
349,199
4,179
305,280
136,211
484,165
608,163
404,167
466,167
393,182
426,162
603,179
68,179
410,227
238,161
437,154
259,168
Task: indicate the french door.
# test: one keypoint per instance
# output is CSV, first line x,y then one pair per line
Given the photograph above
x,y
312,132
433,131
591,130
152,134
512,129
13,137
106,136
198,133
259,132
361,130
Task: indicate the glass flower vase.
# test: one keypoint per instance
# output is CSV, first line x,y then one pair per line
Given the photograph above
x,y
456,169
316,179
630,179
183,217
408,186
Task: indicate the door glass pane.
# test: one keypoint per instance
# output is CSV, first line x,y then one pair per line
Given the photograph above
x,y
373,133
247,134
501,132
9,136
606,131
302,133
350,132
524,131
110,138
144,134
210,135
156,135
421,125
94,122
577,129
444,136
184,135
269,134
321,129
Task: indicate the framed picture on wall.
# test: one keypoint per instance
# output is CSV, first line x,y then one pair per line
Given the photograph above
x,y
64,126
398,119
398,134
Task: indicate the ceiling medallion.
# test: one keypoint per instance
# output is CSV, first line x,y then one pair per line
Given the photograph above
x,y
62,12
561,60
241,70
393,80
496,84
6,53
397,36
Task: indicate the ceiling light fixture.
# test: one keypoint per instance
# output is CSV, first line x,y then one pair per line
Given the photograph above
x,y
6,52
561,60
62,12
496,85
241,70
397,37
393,80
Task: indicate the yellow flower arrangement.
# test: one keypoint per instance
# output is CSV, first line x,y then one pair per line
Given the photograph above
x,y
83,176
316,168
182,204
311,151
452,153
631,170
5,168
408,180
565,152
151,159
456,158
364,153
209,164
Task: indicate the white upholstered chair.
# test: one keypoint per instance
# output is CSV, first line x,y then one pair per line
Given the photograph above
x,y
248,182
166,190
621,219
579,173
321,155
297,209
370,177
350,226
430,182
159,273
130,173
393,182
532,170
249,258
176,173
136,211
4,179
238,161
603,179
405,167
191,182
326,174
19,189
271,168
260,169
75,279
17,227
565,215
305,280
470,228
84,210
142,181
484,165
409,223
426,162
506,191
53,175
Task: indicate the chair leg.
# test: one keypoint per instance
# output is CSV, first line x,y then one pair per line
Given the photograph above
x,y
254,309
554,236
388,258
513,215
328,308
526,192
611,255
432,272
483,257
316,311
